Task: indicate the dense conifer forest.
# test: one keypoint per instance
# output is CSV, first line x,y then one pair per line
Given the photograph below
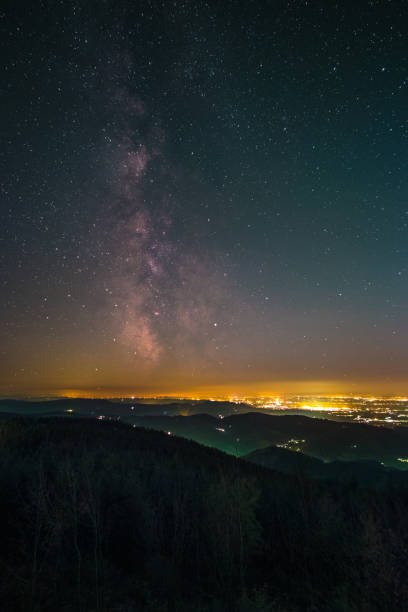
x,y
101,516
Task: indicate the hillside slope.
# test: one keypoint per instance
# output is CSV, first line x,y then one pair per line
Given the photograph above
x,y
99,515
241,434
365,473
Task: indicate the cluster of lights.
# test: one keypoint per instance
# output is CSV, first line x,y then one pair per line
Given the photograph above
x,y
388,411
379,410
292,444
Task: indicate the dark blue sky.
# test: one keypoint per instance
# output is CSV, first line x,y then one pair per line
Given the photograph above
x,y
203,194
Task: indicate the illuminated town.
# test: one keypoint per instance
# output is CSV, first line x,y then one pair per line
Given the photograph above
x,y
389,411
382,410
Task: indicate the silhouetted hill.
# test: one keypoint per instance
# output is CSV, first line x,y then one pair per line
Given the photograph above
x,y
231,428
82,407
326,440
366,473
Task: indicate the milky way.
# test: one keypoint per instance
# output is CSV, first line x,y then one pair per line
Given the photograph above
x,y
162,295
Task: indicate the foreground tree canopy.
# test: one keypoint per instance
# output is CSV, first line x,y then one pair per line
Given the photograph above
x,y
102,516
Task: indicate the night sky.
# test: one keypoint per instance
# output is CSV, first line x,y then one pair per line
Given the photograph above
x,y
204,196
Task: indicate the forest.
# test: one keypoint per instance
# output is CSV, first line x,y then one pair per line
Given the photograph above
x,y
104,516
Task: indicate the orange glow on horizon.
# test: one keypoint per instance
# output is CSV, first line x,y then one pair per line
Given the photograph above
x,y
232,392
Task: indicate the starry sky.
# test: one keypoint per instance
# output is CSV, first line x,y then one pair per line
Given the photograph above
x,y
203,196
